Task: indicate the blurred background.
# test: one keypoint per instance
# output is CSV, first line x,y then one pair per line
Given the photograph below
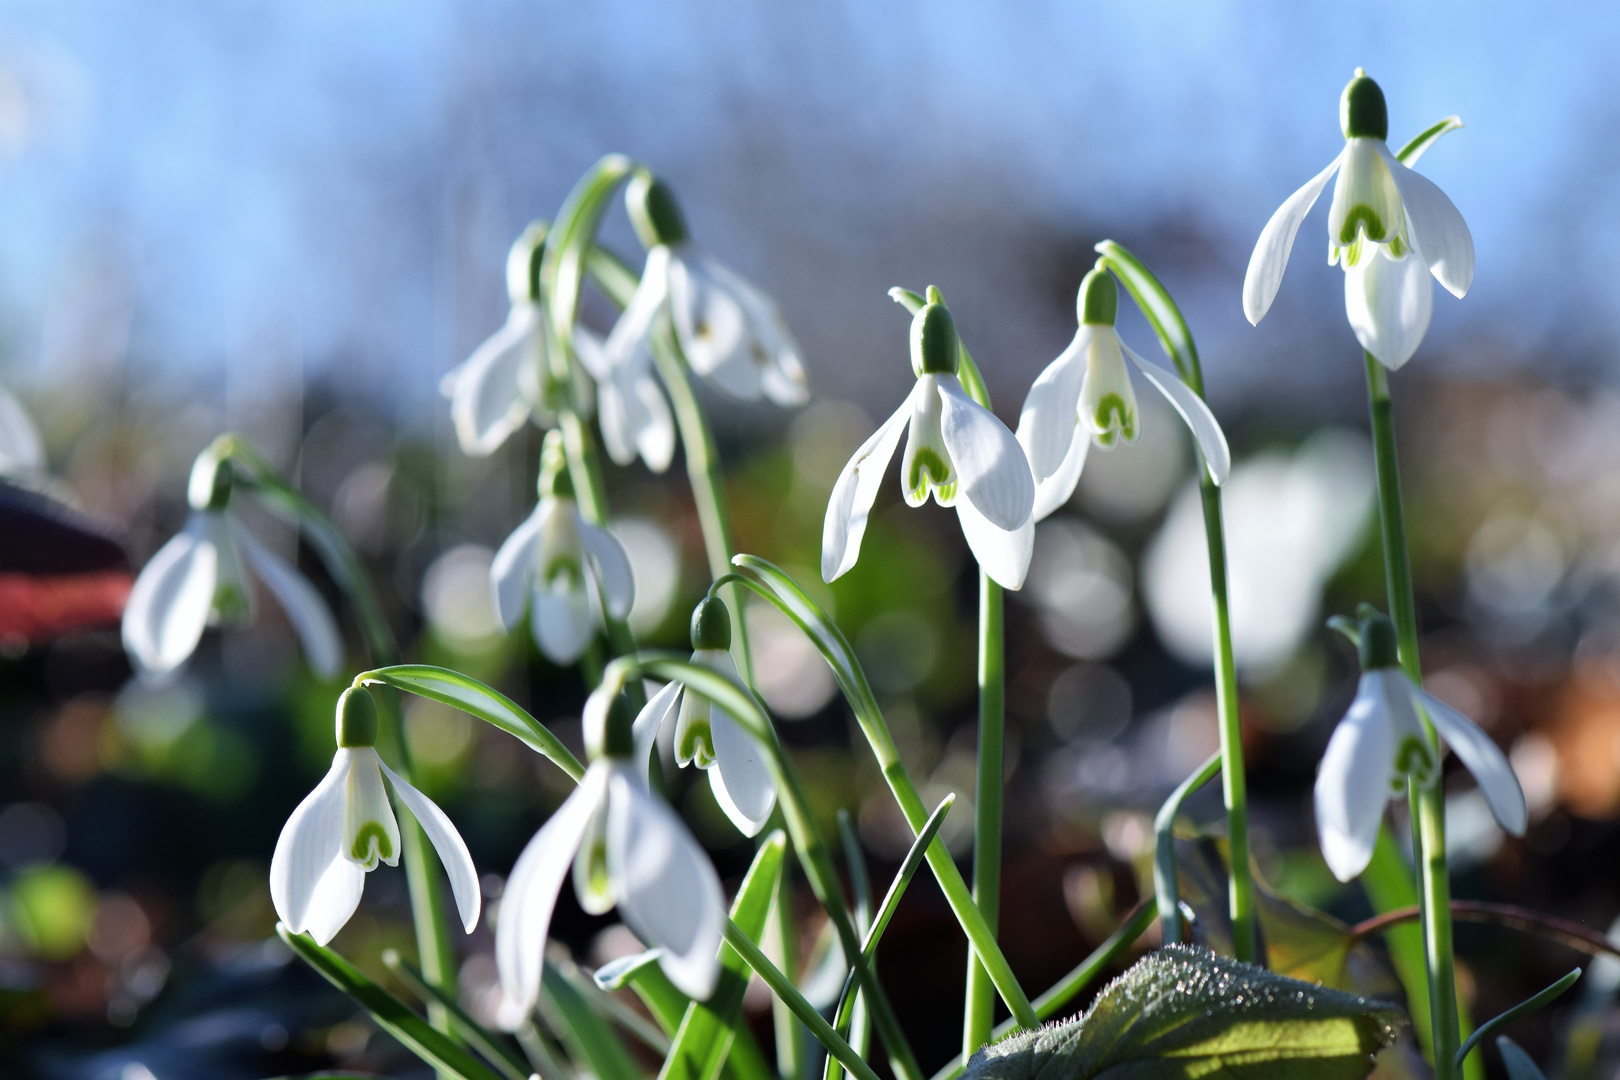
x,y
291,220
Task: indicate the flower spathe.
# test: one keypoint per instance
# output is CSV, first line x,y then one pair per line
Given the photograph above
x,y
956,450
623,847
1386,226
708,736
1381,743
561,568
1085,396
346,826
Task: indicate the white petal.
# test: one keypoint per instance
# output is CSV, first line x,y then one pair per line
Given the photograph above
x,y
452,849
21,450
740,779
561,621
487,401
1001,553
990,465
654,425
1270,257
1388,302
169,603
668,892
531,892
612,415
852,495
1200,421
612,567
712,325
1484,759
637,318
1058,488
781,374
366,807
1047,427
1354,782
592,353
659,710
512,572
1438,230
311,619
312,886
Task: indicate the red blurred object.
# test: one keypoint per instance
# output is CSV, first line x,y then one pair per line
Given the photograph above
x,y
59,571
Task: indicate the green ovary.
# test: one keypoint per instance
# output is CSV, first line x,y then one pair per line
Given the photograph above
x,y
371,843
1112,419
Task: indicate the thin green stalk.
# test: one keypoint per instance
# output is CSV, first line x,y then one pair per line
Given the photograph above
x,y
780,939
978,1010
1427,800
1166,885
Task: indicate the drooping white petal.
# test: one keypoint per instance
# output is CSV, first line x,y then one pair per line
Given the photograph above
x,y
659,710
591,350
21,450
1389,302
487,398
668,892
740,780
233,600
452,849
1057,489
711,324
990,465
776,353
636,320
1270,257
370,831
511,574
649,425
1438,230
561,620
1047,425
169,603
1200,421
312,886
1004,554
852,495
311,619
612,568
1354,782
531,896
1366,203
1484,759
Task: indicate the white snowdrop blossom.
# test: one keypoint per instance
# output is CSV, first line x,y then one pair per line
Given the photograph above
x,y
731,333
1085,396
623,847
561,568
956,450
200,579
708,736
1381,743
630,405
346,826
1388,227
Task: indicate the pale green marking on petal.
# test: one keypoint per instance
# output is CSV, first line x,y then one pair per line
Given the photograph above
x,y
928,470
231,603
1114,418
371,843
1413,759
945,494
1361,217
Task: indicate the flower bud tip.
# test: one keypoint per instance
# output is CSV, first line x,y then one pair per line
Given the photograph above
x,y
356,718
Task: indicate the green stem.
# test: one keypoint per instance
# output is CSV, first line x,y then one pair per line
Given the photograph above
x,y
1427,800
978,1009
780,939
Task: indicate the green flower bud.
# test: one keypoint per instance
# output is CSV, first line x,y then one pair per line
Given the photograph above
x,y
1362,112
1378,645
356,718
523,263
607,726
1098,301
711,625
210,484
653,210
555,479
933,340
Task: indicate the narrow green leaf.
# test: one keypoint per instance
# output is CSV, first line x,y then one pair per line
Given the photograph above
x,y
1523,1008
1519,1065
1186,1012
642,974
706,1032
1175,337
487,704
615,1011
589,1038
610,272
1165,885
391,1014
495,1049
1424,139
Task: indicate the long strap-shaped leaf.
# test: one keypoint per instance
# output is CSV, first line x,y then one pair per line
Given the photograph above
x,y
774,584
488,704
707,1030
494,1049
391,1014
589,1038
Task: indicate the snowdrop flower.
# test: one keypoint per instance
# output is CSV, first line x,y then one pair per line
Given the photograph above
x,y
956,450
1381,743
1386,227
346,826
555,564
630,406
200,579
705,734
1085,396
730,332
625,848
22,453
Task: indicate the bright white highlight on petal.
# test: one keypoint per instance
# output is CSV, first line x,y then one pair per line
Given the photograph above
x,y
1200,421
1003,554
1058,488
636,321
170,602
560,618
1480,754
452,849
1438,230
311,619
992,470
856,488
313,887
1270,257
659,710
1354,782
740,780
487,393
1048,425
21,450
612,568
1389,303
511,575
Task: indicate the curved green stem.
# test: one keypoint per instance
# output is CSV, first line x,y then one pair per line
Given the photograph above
x,y
1166,885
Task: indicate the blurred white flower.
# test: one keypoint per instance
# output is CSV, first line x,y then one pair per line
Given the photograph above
x,y
346,826
630,408
21,451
